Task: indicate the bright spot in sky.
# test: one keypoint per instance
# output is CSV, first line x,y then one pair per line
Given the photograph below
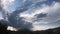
x,y
11,1
11,28
39,28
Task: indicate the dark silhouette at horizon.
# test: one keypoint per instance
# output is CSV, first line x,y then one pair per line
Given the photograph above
x,y
3,30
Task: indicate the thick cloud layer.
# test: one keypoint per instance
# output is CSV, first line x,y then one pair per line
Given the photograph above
x,y
14,18
32,13
52,10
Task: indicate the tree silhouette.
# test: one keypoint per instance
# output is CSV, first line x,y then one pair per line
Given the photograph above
x,y
3,29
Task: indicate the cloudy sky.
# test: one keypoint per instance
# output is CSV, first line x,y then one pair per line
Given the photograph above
x,y
39,14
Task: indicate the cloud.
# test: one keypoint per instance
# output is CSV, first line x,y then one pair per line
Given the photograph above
x,y
39,17
6,3
17,21
46,26
11,28
53,11
43,14
38,28
53,14
13,18
0,8
39,0
56,23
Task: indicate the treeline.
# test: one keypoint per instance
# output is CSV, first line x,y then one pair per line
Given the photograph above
x,y
3,30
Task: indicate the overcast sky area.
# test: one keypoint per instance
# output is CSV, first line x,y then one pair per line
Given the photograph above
x,y
34,14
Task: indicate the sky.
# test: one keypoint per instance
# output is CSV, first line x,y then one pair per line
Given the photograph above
x,y
34,14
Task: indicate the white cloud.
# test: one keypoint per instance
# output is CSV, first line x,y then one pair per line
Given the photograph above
x,y
53,13
5,3
1,18
11,28
10,1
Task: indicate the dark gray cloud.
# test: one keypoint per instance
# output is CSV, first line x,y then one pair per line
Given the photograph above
x,y
13,18
0,8
54,24
49,2
3,21
17,21
41,15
